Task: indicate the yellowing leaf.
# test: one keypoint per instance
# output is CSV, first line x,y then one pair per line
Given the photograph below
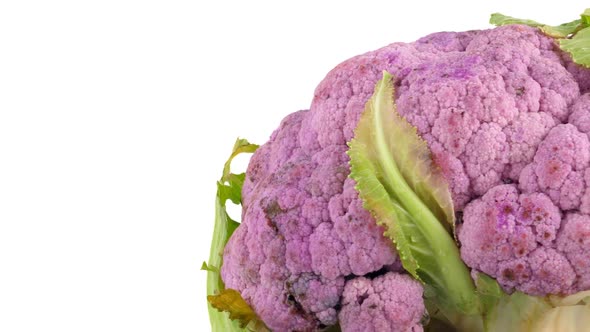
x,y
230,300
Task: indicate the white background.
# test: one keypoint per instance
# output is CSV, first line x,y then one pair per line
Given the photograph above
x,y
117,116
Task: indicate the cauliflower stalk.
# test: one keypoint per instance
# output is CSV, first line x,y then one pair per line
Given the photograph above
x,y
450,195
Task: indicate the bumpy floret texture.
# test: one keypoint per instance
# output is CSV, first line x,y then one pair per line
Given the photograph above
x,y
492,105
511,233
510,236
392,302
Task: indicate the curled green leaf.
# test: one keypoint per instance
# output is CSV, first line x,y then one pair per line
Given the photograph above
x,y
229,187
407,194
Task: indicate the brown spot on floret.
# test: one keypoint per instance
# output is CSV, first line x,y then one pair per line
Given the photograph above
x,y
486,247
508,274
546,235
521,251
538,218
507,209
520,91
553,168
526,214
295,305
272,209
272,225
342,169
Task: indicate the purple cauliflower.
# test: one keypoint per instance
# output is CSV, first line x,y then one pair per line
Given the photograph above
x,y
505,114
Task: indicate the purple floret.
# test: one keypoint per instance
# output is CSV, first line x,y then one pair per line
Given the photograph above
x,y
392,302
510,236
491,105
559,166
574,243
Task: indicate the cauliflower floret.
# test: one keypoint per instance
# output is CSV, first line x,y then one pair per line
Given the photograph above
x,y
574,242
392,302
558,167
523,135
509,236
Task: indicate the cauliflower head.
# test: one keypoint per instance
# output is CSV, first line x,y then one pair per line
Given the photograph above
x,y
505,114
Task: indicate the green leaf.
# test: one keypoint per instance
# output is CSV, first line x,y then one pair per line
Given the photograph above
x,y
517,312
558,31
586,16
241,146
205,267
578,46
407,194
521,312
229,187
502,312
232,188
562,30
489,291
498,19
